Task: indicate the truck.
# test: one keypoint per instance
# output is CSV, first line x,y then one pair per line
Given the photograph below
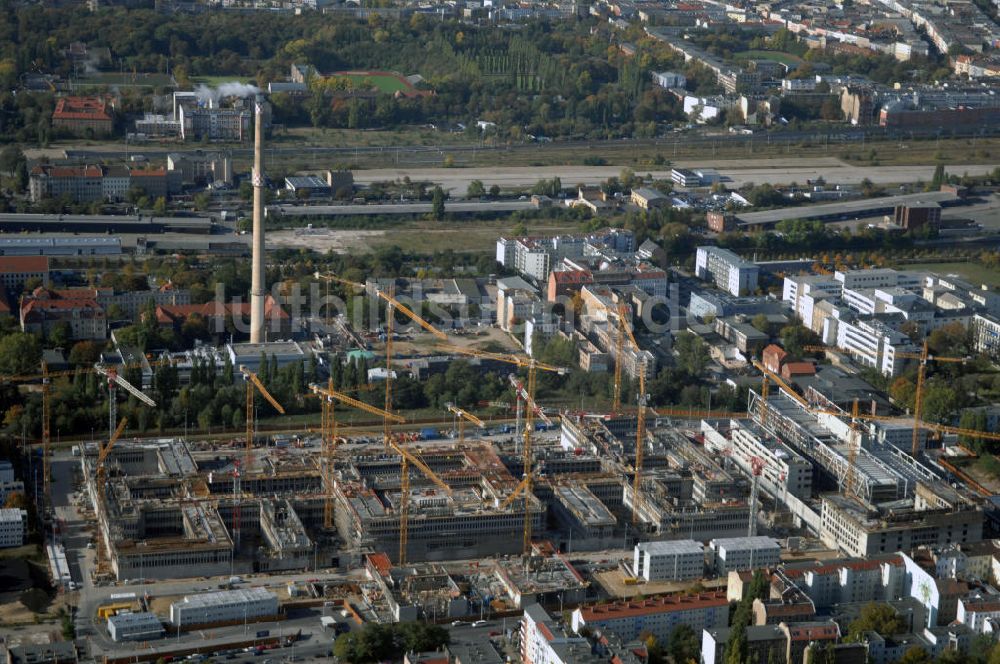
x,y
429,433
76,450
264,633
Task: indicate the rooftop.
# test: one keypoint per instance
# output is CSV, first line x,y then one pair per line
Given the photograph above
x,y
654,605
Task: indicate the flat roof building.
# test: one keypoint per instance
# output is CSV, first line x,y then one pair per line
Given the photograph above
x,y
657,616
224,606
727,270
134,627
733,554
671,560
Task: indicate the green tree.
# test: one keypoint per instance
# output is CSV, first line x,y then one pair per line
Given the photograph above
x,y
160,206
761,323
10,157
692,353
20,353
476,189
876,617
794,339
915,655
684,645
437,203
939,178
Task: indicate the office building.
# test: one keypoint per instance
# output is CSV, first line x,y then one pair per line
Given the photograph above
x,y
733,554
223,607
671,560
727,270
141,626
13,527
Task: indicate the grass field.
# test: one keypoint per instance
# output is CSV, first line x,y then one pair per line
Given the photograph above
x,y
126,79
386,83
777,56
974,272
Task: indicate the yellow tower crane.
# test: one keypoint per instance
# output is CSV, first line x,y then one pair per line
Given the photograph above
x,y
100,480
923,357
254,383
463,415
625,331
392,305
330,398
525,487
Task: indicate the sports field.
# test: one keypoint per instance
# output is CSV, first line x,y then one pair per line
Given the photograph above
x,y
777,56
387,82
126,79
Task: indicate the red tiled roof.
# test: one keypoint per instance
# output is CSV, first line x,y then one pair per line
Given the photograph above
x,y
170,313
982,606
573,277
662,604
30,306
81,108
813,632
790,609
799,369
147,173
17,264
90,171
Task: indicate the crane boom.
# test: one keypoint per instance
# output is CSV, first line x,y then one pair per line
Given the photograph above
x,y
354,403
503,357
465,414
421,466
114,376
252,377
522,393
388,297
103,455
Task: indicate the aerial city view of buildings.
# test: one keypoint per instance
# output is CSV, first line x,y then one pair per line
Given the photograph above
x,y
480,332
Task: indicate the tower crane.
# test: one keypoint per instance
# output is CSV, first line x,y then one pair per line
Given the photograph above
x,y
923,357
625,331
115,380
392,304
616,400
524,488
406,458
100,479
463,415
254,383
522,397
330,397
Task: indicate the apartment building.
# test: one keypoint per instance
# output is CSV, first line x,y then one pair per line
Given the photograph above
x,y
16,271
658,616
81,184
543,641
828,583
873,342
43,312
727,270
91,116
733,554
671,560
986,334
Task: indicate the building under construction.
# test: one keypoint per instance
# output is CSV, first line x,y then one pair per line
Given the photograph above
x,y
468,523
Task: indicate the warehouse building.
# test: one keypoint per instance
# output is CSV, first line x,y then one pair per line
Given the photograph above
x,y
672,560
134,627
224,606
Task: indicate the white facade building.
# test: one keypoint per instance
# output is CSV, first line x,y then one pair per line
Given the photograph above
x,y
224,606
671,560
13,527
734,554
727,270
784,472
134,627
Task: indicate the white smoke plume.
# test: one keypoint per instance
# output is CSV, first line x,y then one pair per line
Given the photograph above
x,y
232,89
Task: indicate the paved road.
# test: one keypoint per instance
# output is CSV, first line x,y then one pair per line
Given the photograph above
x,y
457,180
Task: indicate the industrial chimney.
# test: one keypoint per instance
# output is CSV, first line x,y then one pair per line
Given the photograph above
x,y
257,270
